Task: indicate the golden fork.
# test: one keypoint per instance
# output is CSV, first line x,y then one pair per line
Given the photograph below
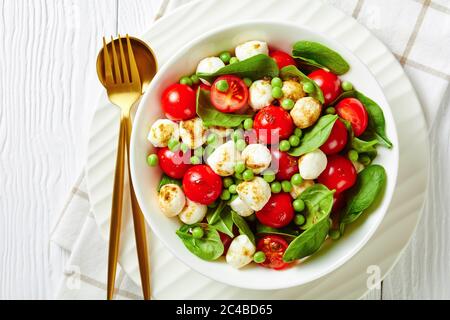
x,y
124,89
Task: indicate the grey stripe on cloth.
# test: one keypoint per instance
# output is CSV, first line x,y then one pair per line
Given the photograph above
x,y
357,9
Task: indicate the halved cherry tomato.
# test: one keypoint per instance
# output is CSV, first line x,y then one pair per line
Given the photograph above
x,y
328,82
278,211
353,110
226,241
282,58
178,102
284,164
234,99
273,124
340,174
174,164
337,139
273,247
201,184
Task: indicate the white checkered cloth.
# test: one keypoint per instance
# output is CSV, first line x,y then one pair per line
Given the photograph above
x,y
417,32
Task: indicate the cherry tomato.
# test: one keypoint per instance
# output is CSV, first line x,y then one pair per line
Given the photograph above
x,y
282,58
337,139
174,164
273,247
273,124
284,164
328,82
278,211
201,184
353,110
232,100
226,241
178,102
340,174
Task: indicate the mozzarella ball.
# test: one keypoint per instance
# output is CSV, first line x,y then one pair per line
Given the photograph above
x,y
241,207
171,199
312,164
256,157
260,94
223,159
255,193
192,132
250,49
292,90
297,190
162,131
192,212
209,65
306,111
241,251
358,166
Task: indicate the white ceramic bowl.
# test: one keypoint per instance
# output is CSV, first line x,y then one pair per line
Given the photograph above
x,y
332,254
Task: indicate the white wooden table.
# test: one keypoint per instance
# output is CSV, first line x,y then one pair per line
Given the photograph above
x,y
48,93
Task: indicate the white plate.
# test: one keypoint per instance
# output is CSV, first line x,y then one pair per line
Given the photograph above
x,y
281,36
172,279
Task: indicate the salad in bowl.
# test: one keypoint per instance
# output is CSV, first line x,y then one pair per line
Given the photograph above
x,y
266,154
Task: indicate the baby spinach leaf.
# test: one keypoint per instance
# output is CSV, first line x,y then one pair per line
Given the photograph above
x,y
377,123
165,179
319,201
287,232
209,247
292,72
256,67
213,117
242,226
221,219
368,186
316,136
318,55
308,242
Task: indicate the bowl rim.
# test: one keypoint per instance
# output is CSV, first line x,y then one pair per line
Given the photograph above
x,y
331,266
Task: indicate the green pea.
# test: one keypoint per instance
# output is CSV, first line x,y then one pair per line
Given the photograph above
x,y
299,219
287,104
259,257
239,167
334,234
184,147
294,141
286,186
232,189
277,82
237,134
234,60
277,93
330,110
248,175
195,160
228,181
248,124
299,205
298,132
173,145
248,82
347,86
284,145
365,160
275,187
269,176
212,138
152,160
222,85
198,152
197,233
186,80
240,144
225,195
225,56
353,155
238,181
238,175
296,179
195,79
308,87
